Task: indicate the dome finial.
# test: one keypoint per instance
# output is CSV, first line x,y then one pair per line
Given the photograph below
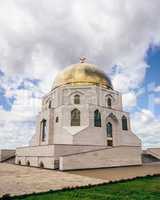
x,y
82,59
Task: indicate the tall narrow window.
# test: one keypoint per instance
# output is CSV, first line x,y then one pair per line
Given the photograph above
x,y
57,119
75,117
109,102
124,123
50,104
43,129
109,129
97,118
76,99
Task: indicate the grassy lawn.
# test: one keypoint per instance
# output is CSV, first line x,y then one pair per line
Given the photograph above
x,y
143,188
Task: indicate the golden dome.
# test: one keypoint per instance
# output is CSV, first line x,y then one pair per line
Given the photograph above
x,y
82,74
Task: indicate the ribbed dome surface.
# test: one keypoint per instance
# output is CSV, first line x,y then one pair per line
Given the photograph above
x,y
82,74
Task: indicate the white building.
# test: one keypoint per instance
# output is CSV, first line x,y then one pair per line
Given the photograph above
x,y
82,125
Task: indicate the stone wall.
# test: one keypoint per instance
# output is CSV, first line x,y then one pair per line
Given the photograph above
x,y
62,149
49,154
36,161
44,150
117,156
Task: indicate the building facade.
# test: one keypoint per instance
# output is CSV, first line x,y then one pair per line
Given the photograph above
x,y
82,125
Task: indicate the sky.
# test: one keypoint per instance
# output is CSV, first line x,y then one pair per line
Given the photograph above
x,y
41,37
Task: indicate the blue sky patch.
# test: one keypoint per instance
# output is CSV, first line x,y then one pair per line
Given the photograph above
x,y
152,80
5,102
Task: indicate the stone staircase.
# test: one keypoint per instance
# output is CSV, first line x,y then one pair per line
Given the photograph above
x,y
150,156
7,156
146,158
10,160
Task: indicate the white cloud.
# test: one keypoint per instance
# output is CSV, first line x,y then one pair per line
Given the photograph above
x,y
157,100
147,126
108,33
37,38
18,125
129,100
157,89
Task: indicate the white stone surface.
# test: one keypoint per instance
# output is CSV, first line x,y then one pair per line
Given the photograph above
x,y
92,97
113,157
49,154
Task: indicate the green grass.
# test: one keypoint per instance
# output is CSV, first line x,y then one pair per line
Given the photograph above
x,y
139,189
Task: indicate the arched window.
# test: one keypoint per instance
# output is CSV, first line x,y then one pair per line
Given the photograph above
x,y
109,129
43,129
76,99
109,102
75,117
124,123
57,119
97,118
50,104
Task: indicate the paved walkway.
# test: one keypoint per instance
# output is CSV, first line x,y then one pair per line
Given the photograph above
x,y
17,180
120,172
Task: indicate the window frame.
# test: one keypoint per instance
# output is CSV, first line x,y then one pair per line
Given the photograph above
x,y
43,130
57,119
50,104
124,123
97,119
75,117
77,100
109,130
109,102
